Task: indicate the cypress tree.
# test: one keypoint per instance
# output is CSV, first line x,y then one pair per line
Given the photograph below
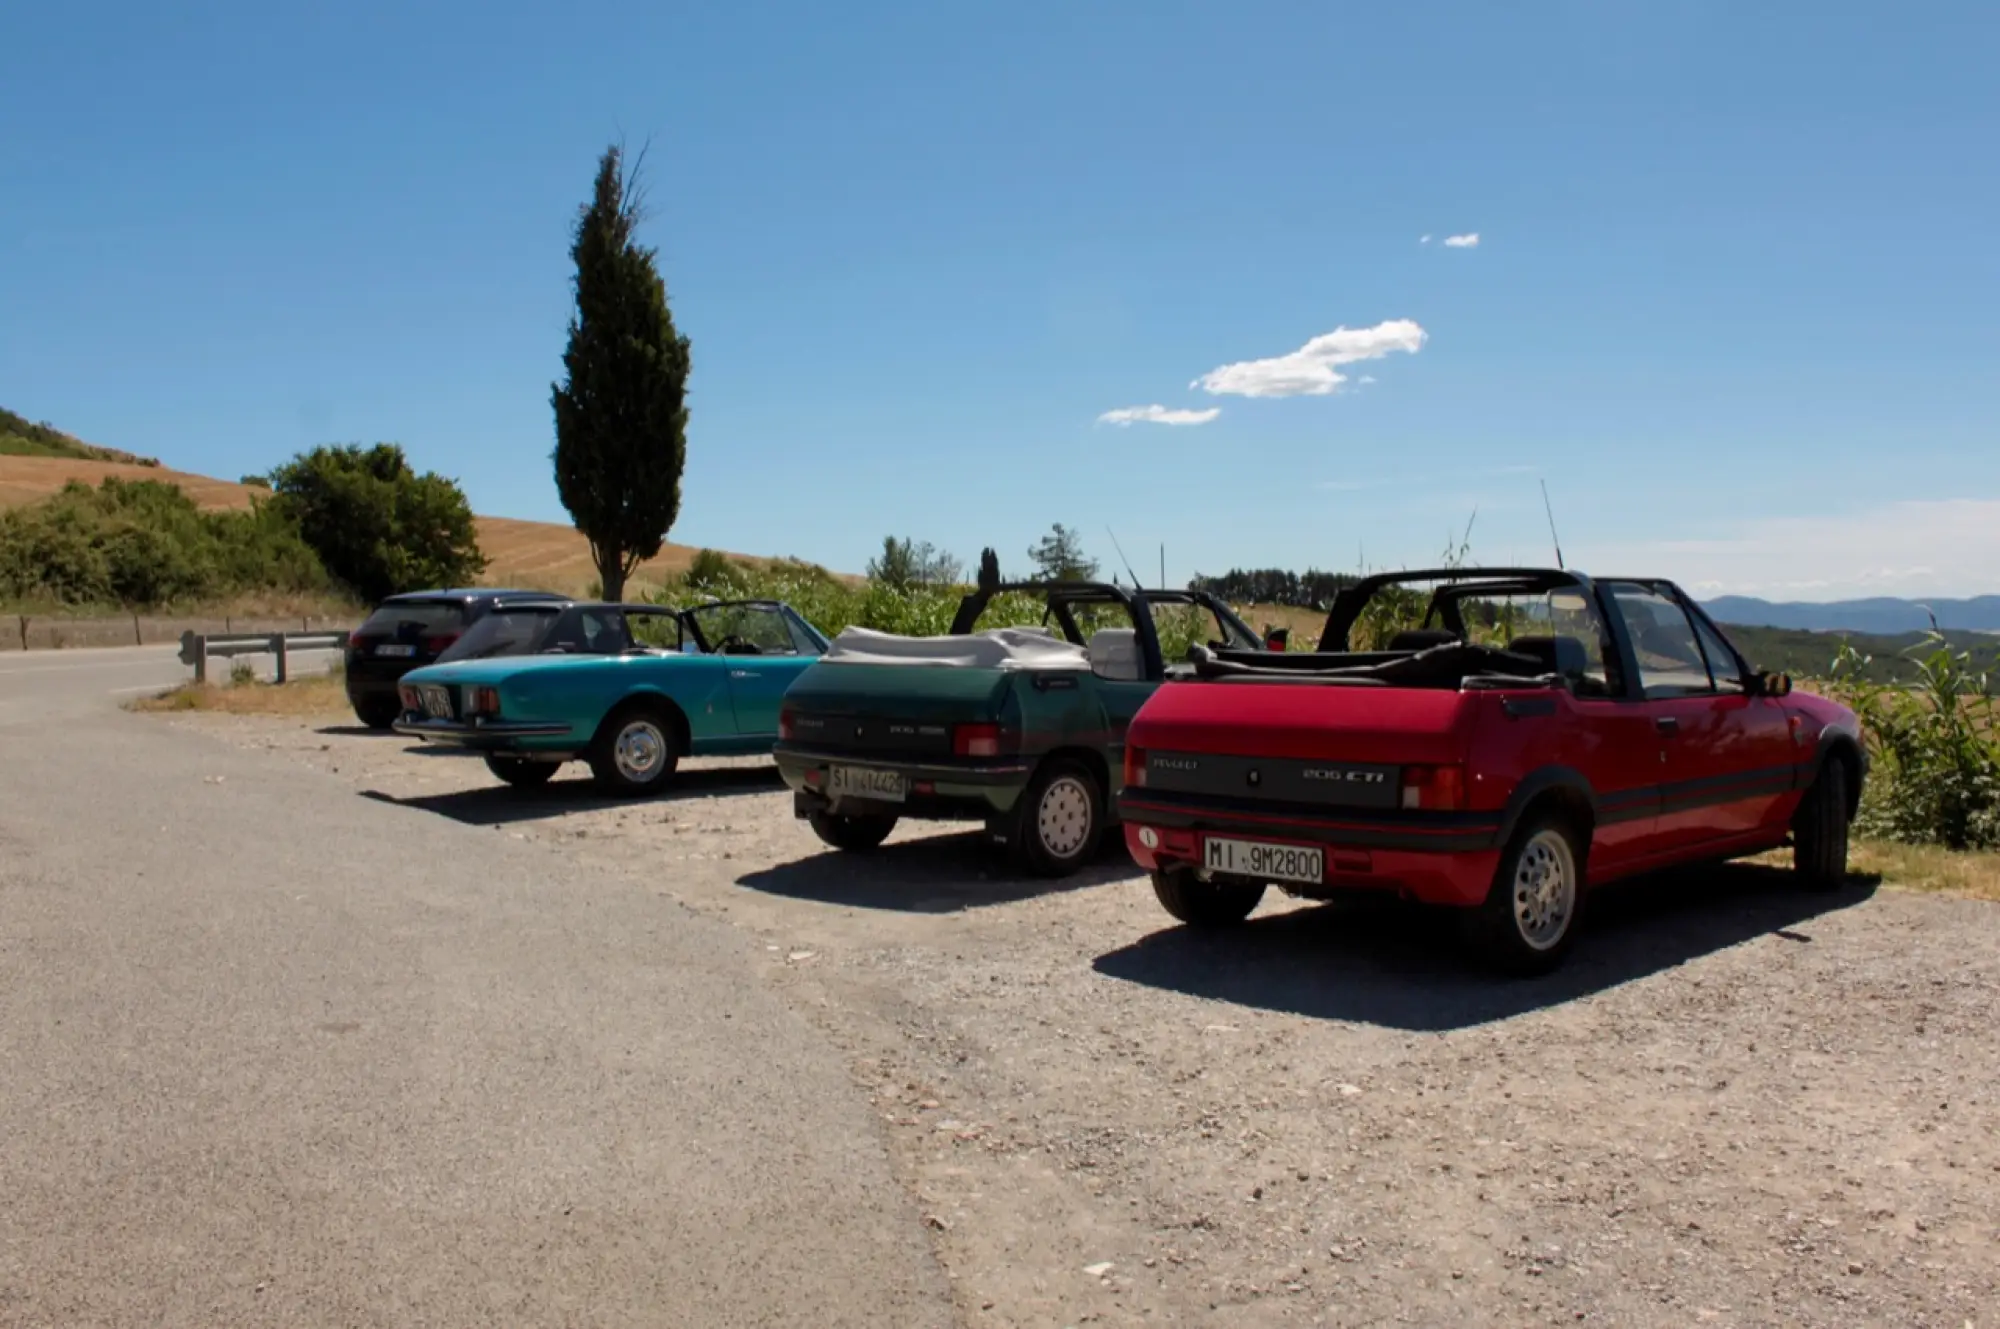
x,y
621,411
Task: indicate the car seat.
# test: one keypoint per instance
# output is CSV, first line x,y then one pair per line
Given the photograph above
x,y
1114,653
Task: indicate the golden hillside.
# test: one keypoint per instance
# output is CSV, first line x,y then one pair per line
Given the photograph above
x,y
535,555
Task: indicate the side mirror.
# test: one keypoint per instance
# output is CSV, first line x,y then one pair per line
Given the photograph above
x,y
1275,639
1770,685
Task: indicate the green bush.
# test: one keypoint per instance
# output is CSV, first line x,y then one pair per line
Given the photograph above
x,y
143,544
377,525
1935,776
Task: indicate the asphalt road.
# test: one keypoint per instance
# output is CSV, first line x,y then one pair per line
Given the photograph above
x,y
274,1054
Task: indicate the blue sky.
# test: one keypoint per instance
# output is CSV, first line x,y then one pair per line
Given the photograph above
x,y
1733,293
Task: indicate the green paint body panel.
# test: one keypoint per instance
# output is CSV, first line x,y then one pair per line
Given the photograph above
x,y
901,717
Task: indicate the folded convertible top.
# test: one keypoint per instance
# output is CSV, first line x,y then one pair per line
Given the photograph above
x,y
995,648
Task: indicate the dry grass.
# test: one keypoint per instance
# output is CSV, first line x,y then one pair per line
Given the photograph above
x,y
26,480
1921,869
308,695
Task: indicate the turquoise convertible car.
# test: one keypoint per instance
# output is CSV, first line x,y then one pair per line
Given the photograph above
x,y
629,688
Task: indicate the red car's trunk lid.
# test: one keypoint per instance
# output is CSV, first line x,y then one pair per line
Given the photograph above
x,y
1391,726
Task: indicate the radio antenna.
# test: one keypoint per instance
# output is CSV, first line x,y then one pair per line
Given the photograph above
x,y
1556,539
1136,583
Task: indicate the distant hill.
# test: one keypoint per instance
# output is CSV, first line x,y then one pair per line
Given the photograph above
x,y
1807,654
22,437
1881,614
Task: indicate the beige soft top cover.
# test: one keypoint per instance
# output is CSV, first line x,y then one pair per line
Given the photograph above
x,y
995,648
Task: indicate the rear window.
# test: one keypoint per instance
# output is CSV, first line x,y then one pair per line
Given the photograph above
x,y
413,618
514,631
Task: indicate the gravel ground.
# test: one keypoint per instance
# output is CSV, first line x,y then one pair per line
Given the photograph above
x,y
1737,1105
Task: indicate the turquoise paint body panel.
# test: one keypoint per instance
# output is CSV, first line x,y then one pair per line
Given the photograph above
x,y
729,702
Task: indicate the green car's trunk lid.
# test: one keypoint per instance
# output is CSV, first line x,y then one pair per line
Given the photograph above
x,y
891,710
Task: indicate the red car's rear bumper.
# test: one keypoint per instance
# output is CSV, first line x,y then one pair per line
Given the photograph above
x,y
1431,860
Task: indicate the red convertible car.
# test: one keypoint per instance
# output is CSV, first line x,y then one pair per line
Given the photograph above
x,y
1537,731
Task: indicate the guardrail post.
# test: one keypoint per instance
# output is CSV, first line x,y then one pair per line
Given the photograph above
x,y
200,657
278,649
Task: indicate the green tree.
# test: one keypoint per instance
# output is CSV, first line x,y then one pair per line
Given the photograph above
x,y
1060,557
376,524
904,564
621,409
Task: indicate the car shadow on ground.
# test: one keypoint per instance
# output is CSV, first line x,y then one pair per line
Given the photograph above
x,y
938,874
1399,966
502,805
355,731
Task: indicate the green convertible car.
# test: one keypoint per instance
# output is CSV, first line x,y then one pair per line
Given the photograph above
x,y
1021,728
628,688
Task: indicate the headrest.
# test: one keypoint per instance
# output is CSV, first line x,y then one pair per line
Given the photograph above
x,y
1558,655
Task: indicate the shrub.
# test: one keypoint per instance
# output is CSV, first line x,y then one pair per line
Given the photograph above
x,y
1936,768
143,544
377,525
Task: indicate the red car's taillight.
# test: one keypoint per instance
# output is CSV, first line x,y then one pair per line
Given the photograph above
x,y
976,740
1135,767
1434,788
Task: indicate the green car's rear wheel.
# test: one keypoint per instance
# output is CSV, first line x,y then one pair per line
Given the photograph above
x,y
851,833
1059,821
521,773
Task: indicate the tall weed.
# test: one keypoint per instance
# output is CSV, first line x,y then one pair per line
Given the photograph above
x,y
1935,746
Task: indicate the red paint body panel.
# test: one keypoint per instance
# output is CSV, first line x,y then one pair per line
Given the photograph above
x,y
1722,779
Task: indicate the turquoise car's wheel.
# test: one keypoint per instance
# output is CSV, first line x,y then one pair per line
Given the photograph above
x,y
635,752
1060,819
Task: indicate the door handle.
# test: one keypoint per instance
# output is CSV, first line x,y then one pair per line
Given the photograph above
x,y
1667,724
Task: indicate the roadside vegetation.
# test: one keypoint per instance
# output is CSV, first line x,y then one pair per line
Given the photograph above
x,y
245,694
1935,747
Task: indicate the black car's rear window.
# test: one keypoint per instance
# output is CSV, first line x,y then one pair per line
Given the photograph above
x,y
516,630
410,618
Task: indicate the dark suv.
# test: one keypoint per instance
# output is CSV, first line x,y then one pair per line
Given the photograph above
x,y
410,630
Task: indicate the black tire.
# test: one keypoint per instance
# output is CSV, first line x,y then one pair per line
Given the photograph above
x,y
377,712
1206,904
1059,821
1820,830
854,834
1519,930
636,751
520,772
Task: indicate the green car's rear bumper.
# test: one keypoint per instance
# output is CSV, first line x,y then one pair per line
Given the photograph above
x,y
937,790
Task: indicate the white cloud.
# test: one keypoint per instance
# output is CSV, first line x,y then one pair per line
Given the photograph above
x,y
1914,548
1423,239
1157,415
1470,240
1310,371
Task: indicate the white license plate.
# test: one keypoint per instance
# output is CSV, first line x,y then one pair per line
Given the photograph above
x,y
395,650
867,782
437,701
1266,862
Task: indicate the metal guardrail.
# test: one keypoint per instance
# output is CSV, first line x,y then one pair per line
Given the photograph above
x,y
197,647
